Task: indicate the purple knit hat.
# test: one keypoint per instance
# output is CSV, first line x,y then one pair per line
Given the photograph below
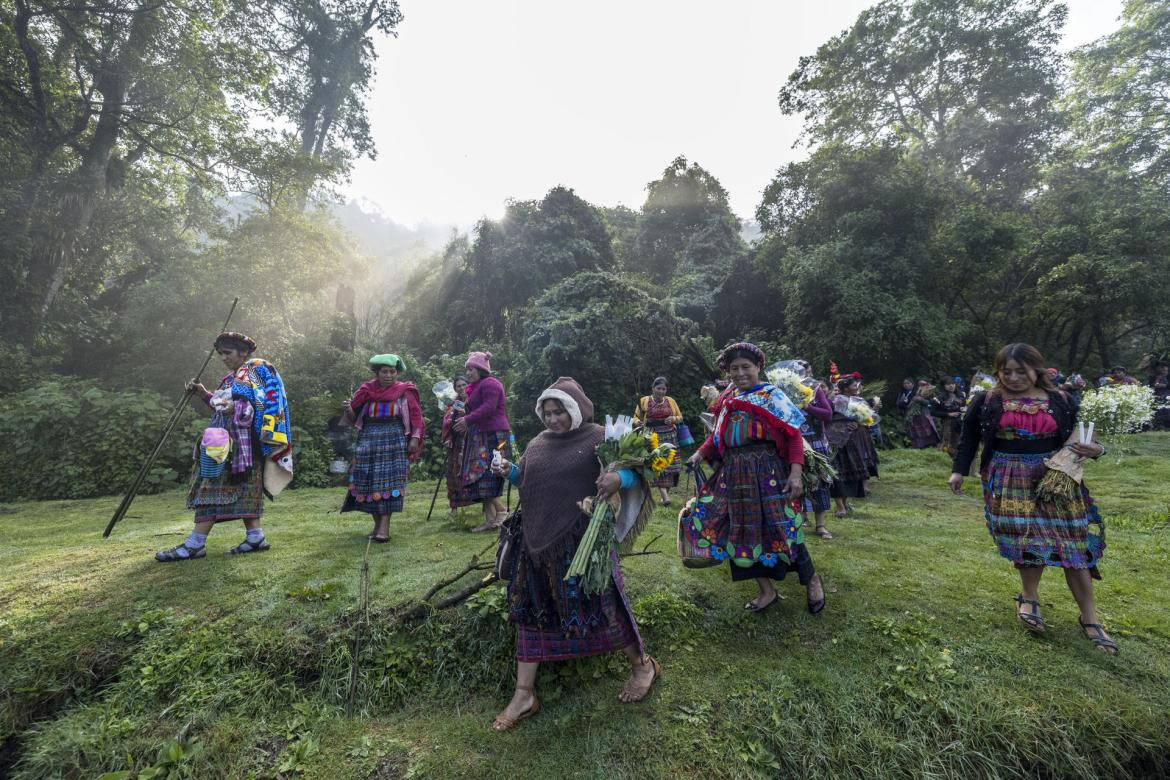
x,y
480,360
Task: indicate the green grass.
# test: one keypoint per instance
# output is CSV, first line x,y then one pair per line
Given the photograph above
x,y
916,667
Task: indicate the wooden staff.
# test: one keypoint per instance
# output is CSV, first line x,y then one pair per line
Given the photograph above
x,y
176,413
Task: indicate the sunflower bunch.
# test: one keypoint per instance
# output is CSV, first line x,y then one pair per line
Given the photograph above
x,y
623,448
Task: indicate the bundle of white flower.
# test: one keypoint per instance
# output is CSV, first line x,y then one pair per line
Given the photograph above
x,y
1118,409
1112,410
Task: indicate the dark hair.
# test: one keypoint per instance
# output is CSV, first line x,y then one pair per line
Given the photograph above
x,y
1028,357
459,379
658,380
732,355
560,405
481,373
848,381
227,342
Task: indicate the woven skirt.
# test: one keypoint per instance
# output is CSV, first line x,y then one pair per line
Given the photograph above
x,y
667,434
478,481
743,514
923,434
1029,533
555,621
378,472
855,462
818,500
216,499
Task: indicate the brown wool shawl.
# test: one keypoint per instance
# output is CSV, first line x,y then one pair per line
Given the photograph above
x,y
556,472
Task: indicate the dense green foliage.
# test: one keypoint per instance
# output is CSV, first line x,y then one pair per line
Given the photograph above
x,y
240,667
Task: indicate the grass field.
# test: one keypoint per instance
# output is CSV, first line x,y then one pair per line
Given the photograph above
x,y
240,667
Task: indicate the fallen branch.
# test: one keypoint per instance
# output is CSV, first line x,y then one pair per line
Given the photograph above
x,y
645,550
424,606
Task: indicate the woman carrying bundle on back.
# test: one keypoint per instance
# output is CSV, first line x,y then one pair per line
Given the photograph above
x,y
659,413
485,425
1020,423
387,412
749,510
454,441
855,459
919,420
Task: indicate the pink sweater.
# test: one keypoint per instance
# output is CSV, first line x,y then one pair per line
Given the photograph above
x,y
485,406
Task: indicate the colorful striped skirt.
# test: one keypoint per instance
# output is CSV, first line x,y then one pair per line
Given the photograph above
x,y
555,621
378,472
478,481
456,494
216,499
667,434
818,500
743,513
1037,534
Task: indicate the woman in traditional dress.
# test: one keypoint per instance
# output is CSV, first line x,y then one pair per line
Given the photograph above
x,y
555,619
919,420
856,459
487,430
245,451
659,413
454,442
817,413
1021,422
749,510
388,413
947,408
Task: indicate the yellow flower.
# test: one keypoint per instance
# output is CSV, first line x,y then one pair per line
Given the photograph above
x,y
658,464
653,441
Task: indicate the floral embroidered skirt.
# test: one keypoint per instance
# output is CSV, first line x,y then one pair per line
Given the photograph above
x,y
667,434
1036,534
743,515
479,483
379,469
555,621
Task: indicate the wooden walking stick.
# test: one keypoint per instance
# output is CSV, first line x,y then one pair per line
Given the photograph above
x,y
176,413
439,484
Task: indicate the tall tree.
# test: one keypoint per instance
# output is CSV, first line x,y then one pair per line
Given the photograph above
x,y
969,83
1120,100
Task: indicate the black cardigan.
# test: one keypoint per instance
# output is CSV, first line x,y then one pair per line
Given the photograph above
x,y
981,422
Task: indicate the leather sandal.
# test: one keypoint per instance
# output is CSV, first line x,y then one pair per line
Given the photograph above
x,y
1032,620
503,723
1099,638
634,692
823,532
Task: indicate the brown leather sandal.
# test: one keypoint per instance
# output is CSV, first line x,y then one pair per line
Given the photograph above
x,y
503,723
634,692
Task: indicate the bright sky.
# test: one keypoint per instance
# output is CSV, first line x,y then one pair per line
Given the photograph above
x,y
478,102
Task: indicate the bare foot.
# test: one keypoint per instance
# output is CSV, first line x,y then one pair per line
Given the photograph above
x,y
642,676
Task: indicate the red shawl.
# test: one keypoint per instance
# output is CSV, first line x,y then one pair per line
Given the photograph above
x,y
373,393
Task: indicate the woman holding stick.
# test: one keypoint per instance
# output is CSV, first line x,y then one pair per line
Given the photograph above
x,y
387,412
249,429
555,619
486,428
1020,422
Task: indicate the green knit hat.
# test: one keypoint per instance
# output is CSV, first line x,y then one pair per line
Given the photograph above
x,y
388,360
